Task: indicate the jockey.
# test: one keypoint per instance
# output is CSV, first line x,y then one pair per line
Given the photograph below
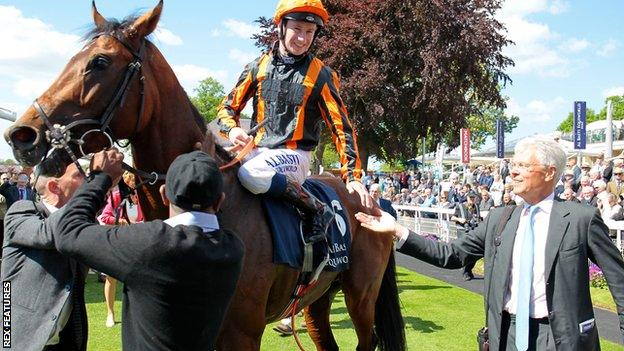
x,y
295,93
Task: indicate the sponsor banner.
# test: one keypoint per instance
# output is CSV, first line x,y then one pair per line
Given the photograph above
x,y
580,125
500,138
465,145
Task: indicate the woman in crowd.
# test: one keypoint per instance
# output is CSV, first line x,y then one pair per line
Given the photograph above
x,y
122,207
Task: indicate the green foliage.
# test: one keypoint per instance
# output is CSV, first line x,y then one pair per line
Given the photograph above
x,y
208,96
331,159
483,125
592,116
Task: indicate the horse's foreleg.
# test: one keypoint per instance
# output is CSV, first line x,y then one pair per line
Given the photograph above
x,y
317,322
361,284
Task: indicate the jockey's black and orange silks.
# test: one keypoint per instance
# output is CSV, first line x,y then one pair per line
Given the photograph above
x,y
295,99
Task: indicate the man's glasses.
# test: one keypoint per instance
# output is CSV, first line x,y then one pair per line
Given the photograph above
x,y
524,166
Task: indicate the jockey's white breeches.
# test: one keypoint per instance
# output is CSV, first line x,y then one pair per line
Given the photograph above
x,y
259,167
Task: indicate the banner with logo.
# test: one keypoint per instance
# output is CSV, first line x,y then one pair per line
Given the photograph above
x,y
465,145
580,125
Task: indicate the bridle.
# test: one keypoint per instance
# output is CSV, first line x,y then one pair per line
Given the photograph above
x,y
60,136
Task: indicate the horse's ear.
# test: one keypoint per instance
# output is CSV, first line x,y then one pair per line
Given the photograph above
x,y
147,23
98,19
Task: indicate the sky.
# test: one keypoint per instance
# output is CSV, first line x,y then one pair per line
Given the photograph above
x,y
564,51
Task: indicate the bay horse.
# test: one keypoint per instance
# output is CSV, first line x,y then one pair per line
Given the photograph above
x,y
122,78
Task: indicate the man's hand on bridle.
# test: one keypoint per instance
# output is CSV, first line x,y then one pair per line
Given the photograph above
x,y
108,161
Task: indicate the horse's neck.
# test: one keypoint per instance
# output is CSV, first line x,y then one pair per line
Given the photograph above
x,y
172,127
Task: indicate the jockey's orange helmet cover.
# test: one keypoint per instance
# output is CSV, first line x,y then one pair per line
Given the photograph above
x,y
315,7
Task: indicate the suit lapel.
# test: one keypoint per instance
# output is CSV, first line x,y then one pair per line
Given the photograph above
x,y
508,236
558,227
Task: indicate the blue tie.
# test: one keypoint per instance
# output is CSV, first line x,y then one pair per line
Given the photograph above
x,y
525,284
21,193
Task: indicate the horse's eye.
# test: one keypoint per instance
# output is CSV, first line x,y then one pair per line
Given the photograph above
x,y
99,62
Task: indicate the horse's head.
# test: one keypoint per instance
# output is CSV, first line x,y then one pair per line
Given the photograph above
x,y
99,97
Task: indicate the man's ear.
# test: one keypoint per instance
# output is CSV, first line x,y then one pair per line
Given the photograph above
x,y
52,186
163,197
218,203
550,174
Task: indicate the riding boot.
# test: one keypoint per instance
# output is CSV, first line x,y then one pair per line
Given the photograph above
x,y
317,214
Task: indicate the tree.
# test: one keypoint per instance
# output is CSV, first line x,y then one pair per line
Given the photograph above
x,y
483,125
411,68
209,95
591,116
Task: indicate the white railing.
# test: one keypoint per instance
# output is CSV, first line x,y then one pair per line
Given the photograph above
x,y
434,221
618,228
437,221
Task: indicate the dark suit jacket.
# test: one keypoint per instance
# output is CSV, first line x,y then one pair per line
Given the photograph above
x,y
41,281
386,205
11,193
576,234
178,281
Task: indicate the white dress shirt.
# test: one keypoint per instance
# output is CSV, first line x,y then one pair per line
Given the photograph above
x,y
541,221
207,221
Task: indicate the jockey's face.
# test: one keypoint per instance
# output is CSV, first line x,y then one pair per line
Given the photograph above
x,y
298,37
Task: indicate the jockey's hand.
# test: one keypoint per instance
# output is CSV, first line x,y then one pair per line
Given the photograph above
x,y
239,137
108,161
365,198
384,223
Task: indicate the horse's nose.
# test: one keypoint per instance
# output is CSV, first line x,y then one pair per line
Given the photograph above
x,y
21,137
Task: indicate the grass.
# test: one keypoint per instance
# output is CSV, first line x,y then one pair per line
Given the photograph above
x,y
437,316
600,297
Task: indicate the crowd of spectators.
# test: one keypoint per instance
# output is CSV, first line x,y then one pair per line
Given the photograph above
x,y
487,184
598,183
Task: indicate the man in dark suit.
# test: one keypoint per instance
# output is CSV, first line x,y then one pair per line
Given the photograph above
x,y
504,169
385,205
18,191
536,269
46,288
179,275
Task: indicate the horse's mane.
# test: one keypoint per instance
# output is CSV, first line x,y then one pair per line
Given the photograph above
x,y
112,26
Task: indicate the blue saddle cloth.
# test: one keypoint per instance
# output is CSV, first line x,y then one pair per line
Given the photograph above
x,y
286,226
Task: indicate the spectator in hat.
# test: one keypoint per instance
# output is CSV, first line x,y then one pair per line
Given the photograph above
x,y
179,275
572,166
616,186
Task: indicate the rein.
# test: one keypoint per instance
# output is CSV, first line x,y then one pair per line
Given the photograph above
x,y
60,136
247,148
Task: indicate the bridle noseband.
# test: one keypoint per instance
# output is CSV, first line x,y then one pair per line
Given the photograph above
x,y
59,136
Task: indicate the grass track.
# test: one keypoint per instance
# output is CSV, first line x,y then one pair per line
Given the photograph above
x,y
438,316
